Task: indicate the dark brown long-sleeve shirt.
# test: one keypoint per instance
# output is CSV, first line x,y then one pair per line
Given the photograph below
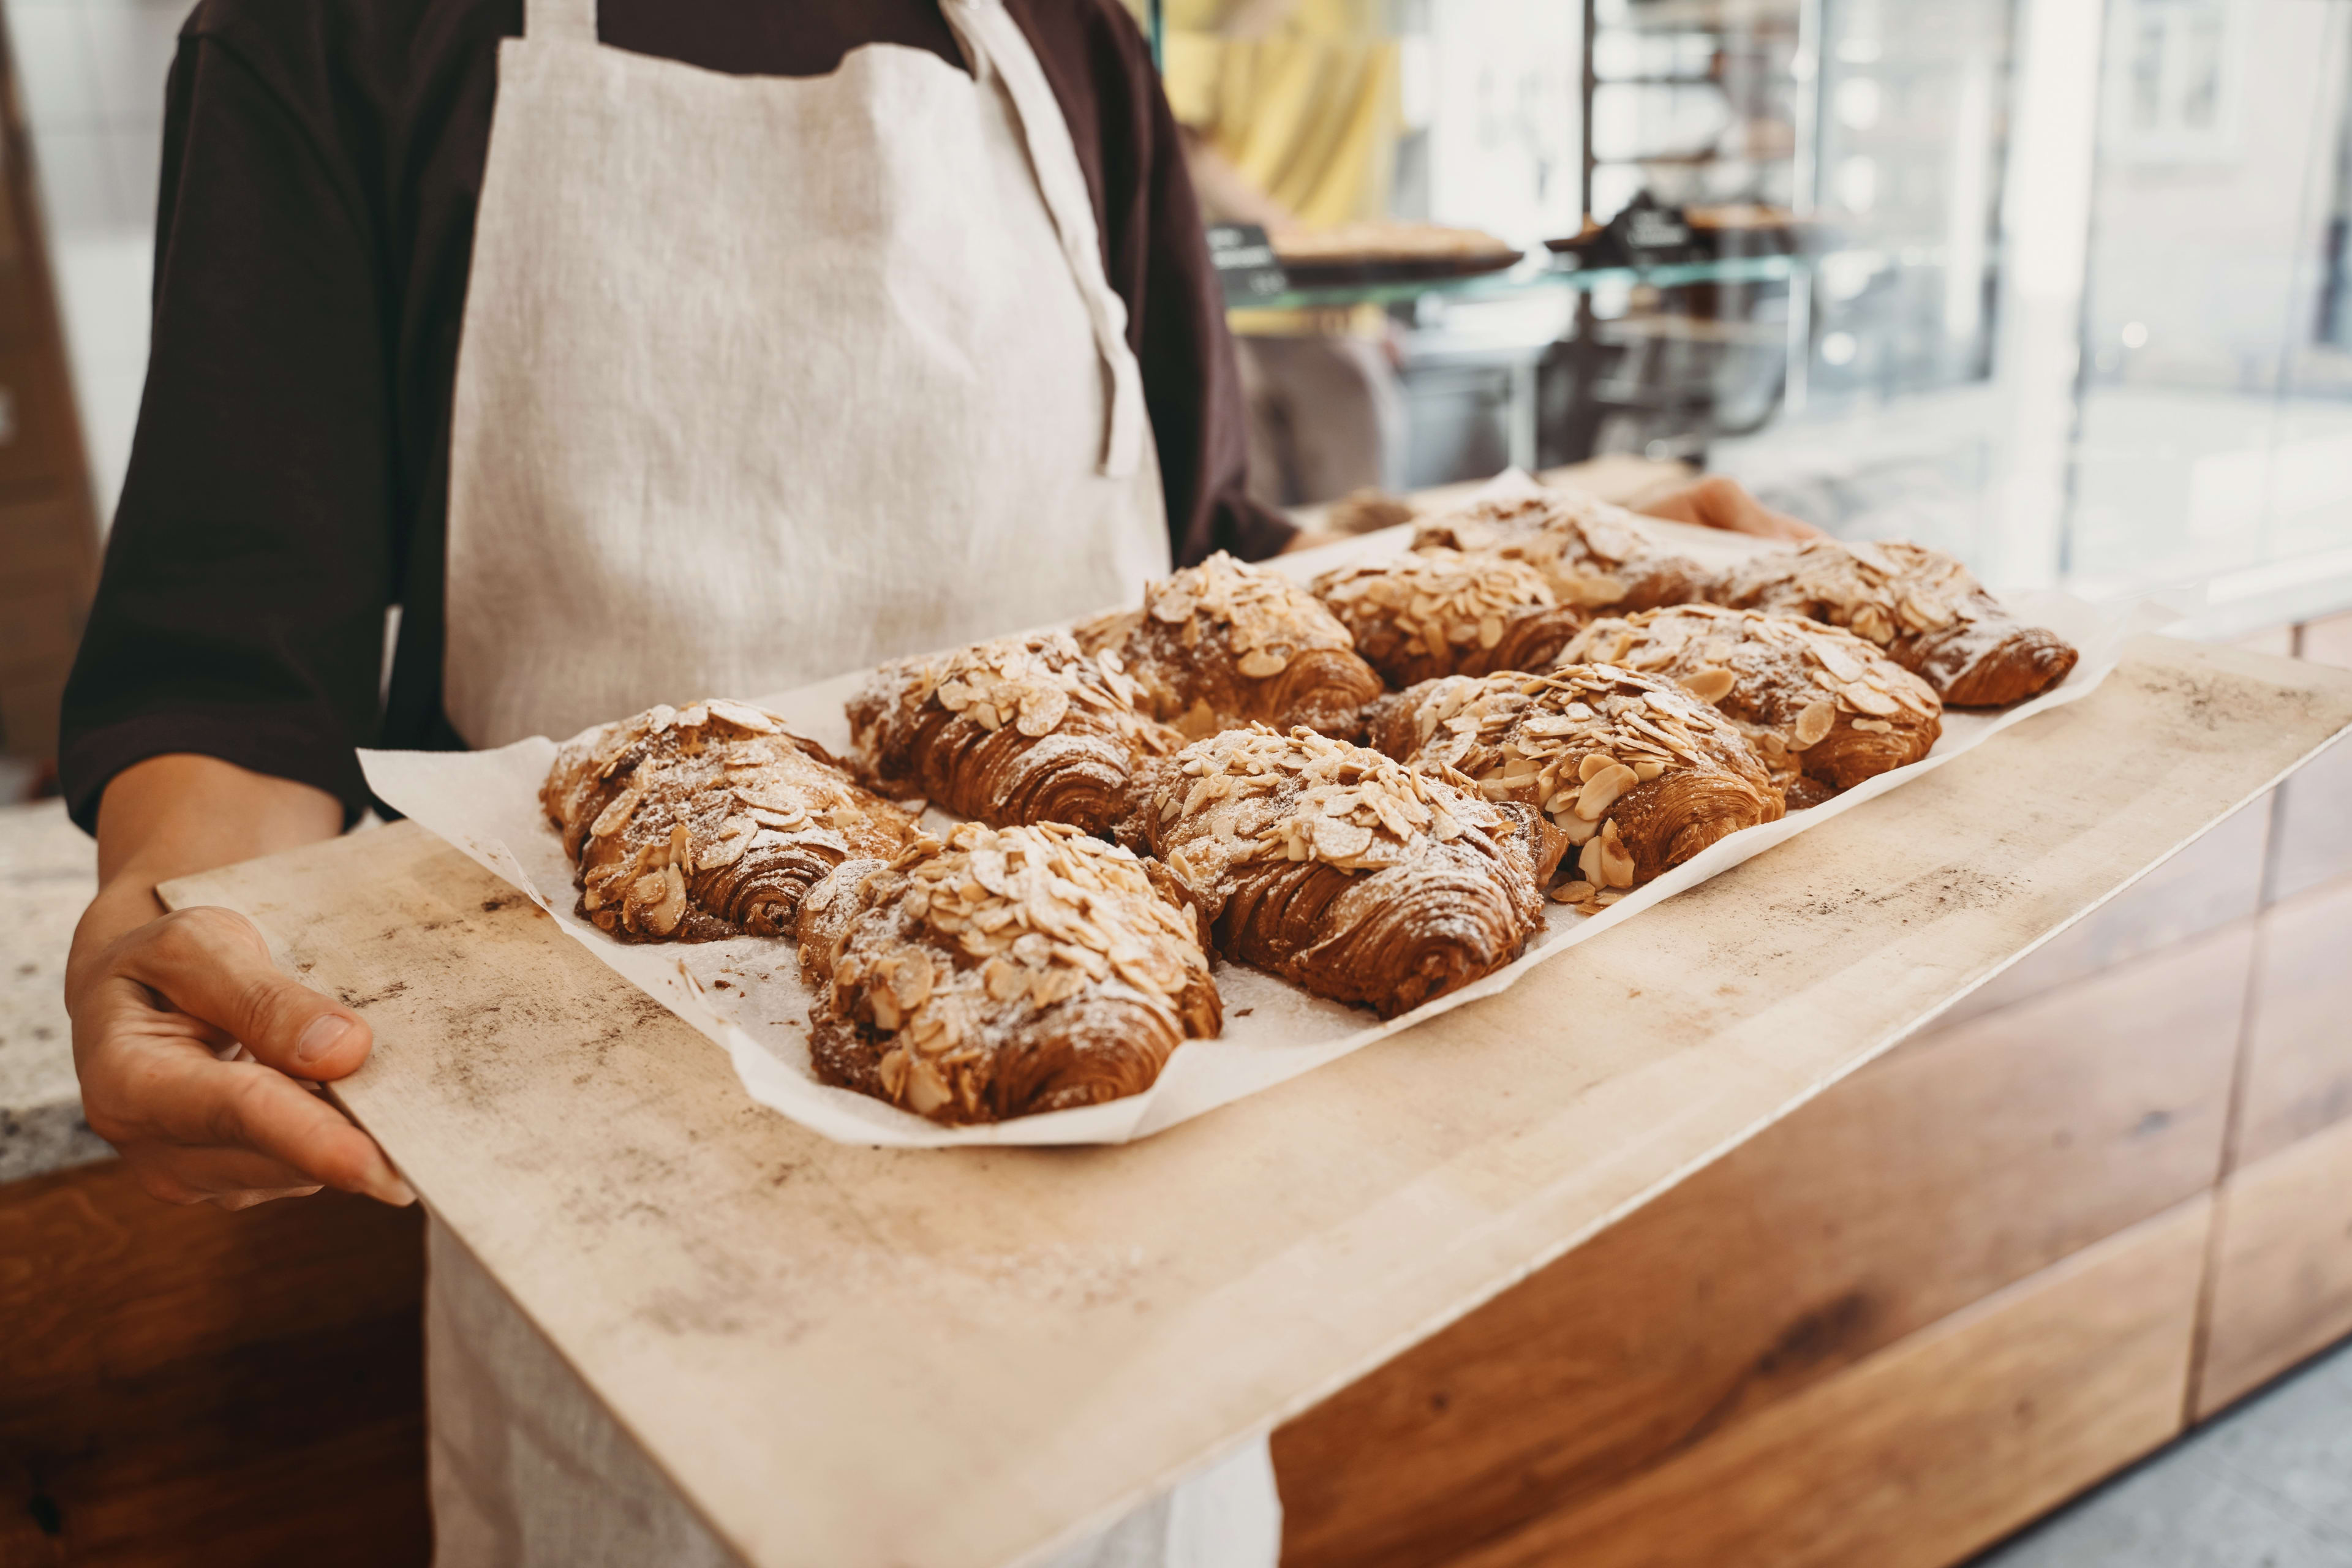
x,y
288,481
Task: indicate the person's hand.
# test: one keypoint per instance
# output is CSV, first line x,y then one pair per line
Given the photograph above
x,y
156,1010
161,1002
1718,503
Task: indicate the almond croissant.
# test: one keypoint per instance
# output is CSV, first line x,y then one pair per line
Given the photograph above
x,y
1440,611
708,822
1337,870
1825,709
1226,644
1005,972
1925,609
1594,556
1636,771
1019,730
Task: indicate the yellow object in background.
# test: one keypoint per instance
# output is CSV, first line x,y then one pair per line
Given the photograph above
x,y
1300,98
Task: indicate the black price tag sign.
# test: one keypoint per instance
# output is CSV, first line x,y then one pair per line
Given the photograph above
x,y
1246,266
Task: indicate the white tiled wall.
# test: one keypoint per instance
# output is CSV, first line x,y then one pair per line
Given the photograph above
x,y
92,72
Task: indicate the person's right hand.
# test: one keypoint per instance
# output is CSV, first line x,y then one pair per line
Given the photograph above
x,y
157,1009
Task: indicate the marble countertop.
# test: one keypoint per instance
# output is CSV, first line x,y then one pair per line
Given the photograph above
x,y
48,868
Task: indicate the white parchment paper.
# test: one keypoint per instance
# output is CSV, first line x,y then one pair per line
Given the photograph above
x,y
746,994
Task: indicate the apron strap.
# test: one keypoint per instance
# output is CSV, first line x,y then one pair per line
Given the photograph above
x,y
560,21
994,42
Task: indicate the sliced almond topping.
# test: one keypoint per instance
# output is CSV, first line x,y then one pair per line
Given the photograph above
x,y
1616,860
1004,981
1869,555
1042,708
1337,840
1870,699
744,716
1602,791
910,979
1833,658
1816,720
1712,684
1927,609
735,838
609,820
926,1090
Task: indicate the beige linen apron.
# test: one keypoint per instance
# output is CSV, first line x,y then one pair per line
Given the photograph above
x,y
765,379
762,380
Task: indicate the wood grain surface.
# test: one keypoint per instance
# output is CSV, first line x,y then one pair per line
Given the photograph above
x,y
847,1357
2282,1285
1931,1450
1948,1169
182,1387
2299,1049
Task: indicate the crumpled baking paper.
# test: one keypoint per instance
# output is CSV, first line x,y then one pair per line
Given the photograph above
x,y
746,994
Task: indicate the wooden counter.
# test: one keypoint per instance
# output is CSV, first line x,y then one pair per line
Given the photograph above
x,y
844,1355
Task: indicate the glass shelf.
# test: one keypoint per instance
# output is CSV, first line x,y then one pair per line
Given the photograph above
x,y
1538,273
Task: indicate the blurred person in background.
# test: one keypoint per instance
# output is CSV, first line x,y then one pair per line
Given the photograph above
x,y
1288,113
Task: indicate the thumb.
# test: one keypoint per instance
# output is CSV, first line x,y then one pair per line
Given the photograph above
x,y
212,964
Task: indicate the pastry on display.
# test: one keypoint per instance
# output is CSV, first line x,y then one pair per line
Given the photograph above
x,y
1018,730
1925,609
1226,644
1594,556
1387,239
1440,611
707,822
1004,973
1634,772
1342,871
1826,709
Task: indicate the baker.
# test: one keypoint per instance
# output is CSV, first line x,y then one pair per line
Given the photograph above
x,y
515,369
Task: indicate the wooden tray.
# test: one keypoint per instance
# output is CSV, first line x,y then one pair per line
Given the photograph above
x,y
847,1357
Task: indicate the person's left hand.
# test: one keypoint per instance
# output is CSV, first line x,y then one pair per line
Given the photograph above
x,y
1716,501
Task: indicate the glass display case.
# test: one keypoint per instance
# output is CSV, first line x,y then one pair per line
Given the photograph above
x,y
1844,157
1701,103
2215,420
2068,291
1908,135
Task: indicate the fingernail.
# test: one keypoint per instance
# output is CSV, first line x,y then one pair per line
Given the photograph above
x,y
321,1037
392,1190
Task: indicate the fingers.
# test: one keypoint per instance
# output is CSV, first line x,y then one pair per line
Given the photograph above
x,y
1719,502
212,964
228,1178
214,1127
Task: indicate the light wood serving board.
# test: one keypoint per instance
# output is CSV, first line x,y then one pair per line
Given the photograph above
x,y
844,1356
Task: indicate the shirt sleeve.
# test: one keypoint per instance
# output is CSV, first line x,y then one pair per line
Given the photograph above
x,y
241,610
1101,71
